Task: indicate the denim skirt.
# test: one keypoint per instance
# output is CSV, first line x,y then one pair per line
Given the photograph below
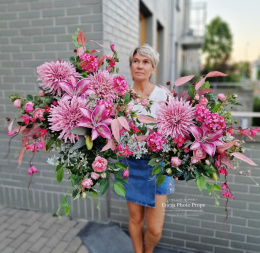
x,y
142,187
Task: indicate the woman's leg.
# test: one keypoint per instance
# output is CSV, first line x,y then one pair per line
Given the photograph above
x,y
154,223
136,222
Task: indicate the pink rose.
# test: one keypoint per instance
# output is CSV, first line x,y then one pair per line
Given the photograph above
x,y
203,101
39,113
199,153
103,175
145,102
94,175
29,107
197,97
221,97
41,93
87,183
100,164
32,170
126,173
175,161
17,103
194,160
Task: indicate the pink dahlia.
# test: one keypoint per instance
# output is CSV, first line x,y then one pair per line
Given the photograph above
x,y
174,117
51,73
65,116
103,85
88,62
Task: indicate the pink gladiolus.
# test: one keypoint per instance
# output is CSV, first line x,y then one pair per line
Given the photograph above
x,y
126,173
205,139
39,145
221,97
112,47
43,132
99,164
32,170
227,195
26,119
11,133
224,186
230,131
136,130
145,102
76,88
87,183
17,103
175,161
94,175
32,147
97,120
124,151
29,107
254,131
223,171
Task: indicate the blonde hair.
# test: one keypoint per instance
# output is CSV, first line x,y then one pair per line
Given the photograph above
x,y
148,51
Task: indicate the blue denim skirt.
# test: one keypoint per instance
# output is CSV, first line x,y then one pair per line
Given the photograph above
x,y
142,187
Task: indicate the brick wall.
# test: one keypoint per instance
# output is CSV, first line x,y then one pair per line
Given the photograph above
x,y
32,32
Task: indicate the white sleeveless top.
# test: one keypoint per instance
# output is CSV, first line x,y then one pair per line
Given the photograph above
x,y
158,94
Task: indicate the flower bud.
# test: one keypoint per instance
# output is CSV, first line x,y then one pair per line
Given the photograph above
x,y
221,97
17,103
41,93
234,96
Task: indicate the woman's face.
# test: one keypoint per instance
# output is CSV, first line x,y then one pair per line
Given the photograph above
x,y
141,68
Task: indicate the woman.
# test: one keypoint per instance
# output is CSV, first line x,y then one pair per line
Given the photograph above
x,y
145,199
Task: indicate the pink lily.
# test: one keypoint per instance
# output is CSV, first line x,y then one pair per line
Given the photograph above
x,y
76,88
205,139
97,120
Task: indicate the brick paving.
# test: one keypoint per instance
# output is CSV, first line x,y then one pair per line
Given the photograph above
x,y
33,232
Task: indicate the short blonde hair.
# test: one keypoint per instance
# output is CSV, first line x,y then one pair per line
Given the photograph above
x,y
148,51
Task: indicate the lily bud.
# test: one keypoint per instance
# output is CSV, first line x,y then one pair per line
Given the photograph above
x,y
89,143
214,176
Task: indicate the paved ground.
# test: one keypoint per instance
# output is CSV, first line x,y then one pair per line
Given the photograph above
x,y
32,232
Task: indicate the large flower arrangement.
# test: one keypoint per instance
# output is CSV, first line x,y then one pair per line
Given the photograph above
x,y
78,116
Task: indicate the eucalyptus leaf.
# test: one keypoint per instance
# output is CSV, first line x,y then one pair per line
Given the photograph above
x,y
79,144
79,130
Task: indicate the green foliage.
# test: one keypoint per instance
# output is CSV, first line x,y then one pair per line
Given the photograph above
x,y
119,189
104,184
256,106
160,179
217,45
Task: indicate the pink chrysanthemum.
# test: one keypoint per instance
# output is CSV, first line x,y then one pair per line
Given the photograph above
x,y
51,73
65,116
88,62
174,117
120,85
102,83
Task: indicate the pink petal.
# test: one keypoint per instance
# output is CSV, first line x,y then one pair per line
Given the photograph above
x,y
226,161
85,123
106,121
183,93
183,80
195,145
140,138
123,122
68,87
115,129
74,81
104,131
226,146
218,143
11,125
86,112
145,119
200,83
43,142
81,51
243,158
196,131
110,145
214,136
204,91
99,113
209,148
215,73
94,134
100,60
89,92
82,86
65,97
168,91
20,157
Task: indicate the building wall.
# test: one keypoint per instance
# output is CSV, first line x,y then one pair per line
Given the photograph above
x,y
32,32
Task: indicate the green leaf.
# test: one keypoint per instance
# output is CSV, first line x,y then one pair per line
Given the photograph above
x,y
160,179
59,175
157,169
75,194
191,91
119,177
103,186
206,85
216,107
64,201
59,167
36,98
29,126
216,187
201,183
120,165
95,194
29,97
153,162
119,189
126,98
49,144
67,210
79,130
